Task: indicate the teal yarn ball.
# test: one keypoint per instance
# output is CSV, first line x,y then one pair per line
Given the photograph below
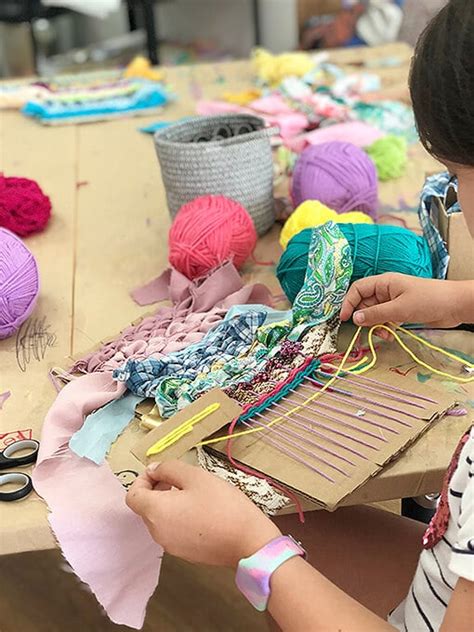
x,y
375,249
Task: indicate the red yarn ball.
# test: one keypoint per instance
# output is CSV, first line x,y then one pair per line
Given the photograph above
x,y
24,208
209,231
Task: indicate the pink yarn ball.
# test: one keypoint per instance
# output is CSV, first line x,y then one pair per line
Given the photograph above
x,y
19,283
340,175
209,231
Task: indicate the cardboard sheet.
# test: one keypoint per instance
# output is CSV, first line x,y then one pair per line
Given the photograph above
x,y
255,452
228,410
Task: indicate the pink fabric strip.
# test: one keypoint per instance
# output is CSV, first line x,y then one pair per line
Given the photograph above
x,y
197,308
106,544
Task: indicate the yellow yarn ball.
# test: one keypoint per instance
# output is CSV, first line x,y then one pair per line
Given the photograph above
x,y
312,213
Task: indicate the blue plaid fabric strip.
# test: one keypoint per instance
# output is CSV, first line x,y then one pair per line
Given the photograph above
x,y
439,186
161,377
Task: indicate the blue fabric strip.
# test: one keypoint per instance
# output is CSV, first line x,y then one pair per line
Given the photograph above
x,y
149,96
103,427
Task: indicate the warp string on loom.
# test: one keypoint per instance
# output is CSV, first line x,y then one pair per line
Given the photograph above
x,y
338,371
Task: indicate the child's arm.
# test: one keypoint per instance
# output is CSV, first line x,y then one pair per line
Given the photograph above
x,y
401,298
201,518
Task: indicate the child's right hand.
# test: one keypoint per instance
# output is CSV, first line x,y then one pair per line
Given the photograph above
x,y
400,298
197,516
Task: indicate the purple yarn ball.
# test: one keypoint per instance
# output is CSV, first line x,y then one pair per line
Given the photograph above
x,y
340,175
19,283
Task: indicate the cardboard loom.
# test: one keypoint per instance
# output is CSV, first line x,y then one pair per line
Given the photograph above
x,y
254,452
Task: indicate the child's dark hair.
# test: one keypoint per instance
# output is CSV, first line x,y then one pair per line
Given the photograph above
x,y
442,84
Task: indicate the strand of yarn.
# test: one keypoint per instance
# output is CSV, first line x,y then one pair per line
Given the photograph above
x,y
376,248
389,155
24,208
313,213
19,283
209,231
392,329
340,175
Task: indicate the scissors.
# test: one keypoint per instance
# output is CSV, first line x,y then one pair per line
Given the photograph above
x,y
8,460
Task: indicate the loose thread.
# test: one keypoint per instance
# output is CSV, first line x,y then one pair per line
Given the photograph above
x,y
413,356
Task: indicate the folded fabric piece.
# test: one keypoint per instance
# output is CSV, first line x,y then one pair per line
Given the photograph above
x,y
149,96
197,307
272,104
355,132
289,125
102,428
106,544
445,187
380,23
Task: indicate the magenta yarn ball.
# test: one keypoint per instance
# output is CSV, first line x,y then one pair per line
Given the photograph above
x,y
19,283
208,232
340,175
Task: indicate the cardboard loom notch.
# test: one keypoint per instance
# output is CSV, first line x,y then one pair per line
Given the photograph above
x,y
227,411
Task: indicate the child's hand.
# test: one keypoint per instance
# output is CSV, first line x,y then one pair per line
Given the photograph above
x,y
202,519
399,298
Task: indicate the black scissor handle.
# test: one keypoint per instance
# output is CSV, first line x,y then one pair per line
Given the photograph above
x,y
8,458
20,479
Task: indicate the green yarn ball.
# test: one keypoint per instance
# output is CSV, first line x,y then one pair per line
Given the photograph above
x,y
375,249
390,156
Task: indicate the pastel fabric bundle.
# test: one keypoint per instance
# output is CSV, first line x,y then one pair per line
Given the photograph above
x,y
106,544
390,117
147,98
197,308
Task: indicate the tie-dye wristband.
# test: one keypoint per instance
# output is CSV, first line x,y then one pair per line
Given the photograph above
x,y
254,572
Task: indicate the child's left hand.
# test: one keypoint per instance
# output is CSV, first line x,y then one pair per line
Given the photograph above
x,y
197,516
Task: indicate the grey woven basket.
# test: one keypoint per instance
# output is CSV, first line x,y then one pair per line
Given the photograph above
x,y
220,155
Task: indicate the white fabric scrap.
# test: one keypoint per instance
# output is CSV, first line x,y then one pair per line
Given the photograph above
x,y
380,23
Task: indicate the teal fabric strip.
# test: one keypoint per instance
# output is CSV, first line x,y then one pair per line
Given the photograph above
x,y
103,427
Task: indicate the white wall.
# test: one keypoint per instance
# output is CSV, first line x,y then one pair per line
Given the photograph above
x,y
279,24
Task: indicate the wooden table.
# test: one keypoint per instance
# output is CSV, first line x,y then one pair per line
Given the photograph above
x,y
108,235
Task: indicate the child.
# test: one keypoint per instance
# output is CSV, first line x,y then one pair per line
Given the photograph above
x,y
368,572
